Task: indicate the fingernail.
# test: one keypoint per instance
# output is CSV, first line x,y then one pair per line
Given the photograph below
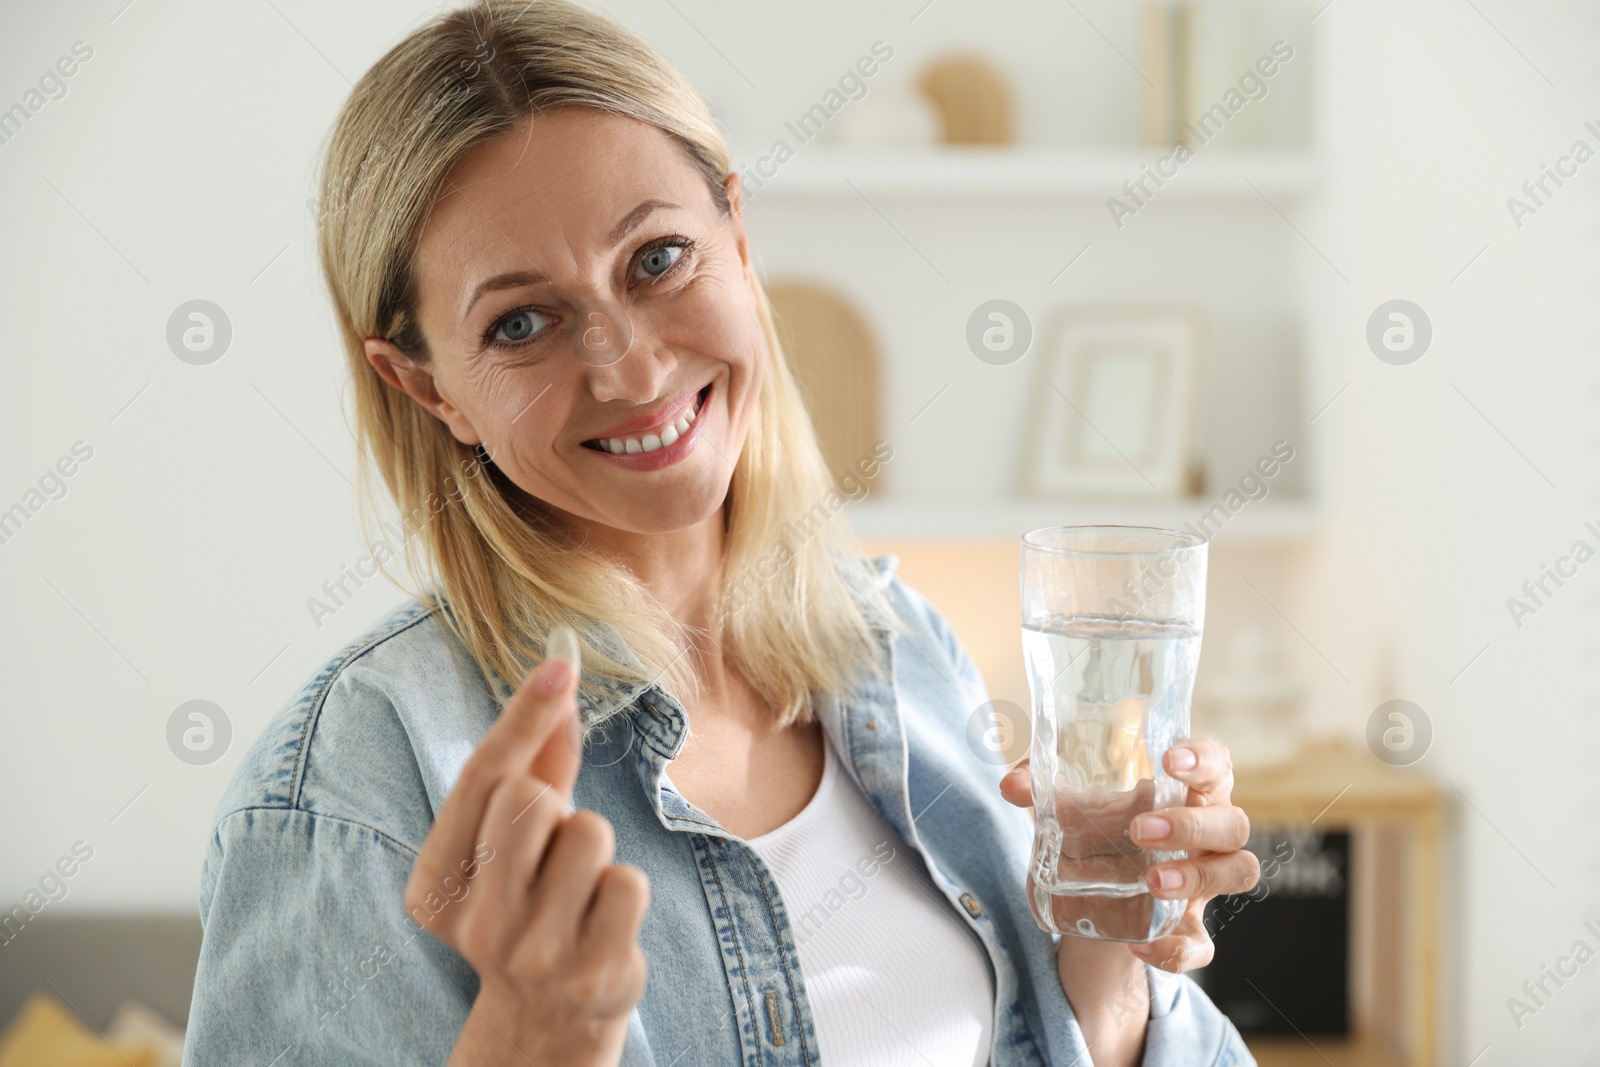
x,y
563,644
1153,827
1183,759
561,658
1169,878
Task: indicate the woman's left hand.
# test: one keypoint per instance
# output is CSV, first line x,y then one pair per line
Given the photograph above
x,y
1208,826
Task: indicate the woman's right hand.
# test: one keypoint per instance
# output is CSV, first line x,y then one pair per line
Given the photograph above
x,y
524,888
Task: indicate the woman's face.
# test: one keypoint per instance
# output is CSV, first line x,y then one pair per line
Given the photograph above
x,y
551,246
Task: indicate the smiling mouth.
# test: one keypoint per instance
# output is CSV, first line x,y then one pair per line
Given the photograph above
x,y
664,435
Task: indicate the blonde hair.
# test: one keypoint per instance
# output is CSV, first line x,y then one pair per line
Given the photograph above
x,y
799,599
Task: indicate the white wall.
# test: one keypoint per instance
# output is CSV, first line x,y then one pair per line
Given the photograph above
x,y
1430,120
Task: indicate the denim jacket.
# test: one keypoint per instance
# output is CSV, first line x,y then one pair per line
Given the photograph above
x,y
309,956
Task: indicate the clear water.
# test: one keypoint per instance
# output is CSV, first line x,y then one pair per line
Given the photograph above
x,y
1110,696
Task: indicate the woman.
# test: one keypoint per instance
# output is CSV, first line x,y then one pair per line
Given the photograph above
x,y
748,829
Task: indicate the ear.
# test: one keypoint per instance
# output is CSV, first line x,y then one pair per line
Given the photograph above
x,y
733,186
416,381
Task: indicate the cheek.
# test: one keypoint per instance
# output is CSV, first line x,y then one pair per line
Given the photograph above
x,y
518,413
727,329
503,402
758,372
532,410
746,358
529,455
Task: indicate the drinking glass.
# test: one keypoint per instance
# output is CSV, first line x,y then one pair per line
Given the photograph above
x,y
1111,624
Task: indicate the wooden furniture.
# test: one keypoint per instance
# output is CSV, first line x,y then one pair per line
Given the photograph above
x,y
973,99
1396,822
831,352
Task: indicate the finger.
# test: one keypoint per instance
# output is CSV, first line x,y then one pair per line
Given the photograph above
x,y
558,759
1204,764
520,735
1217,828
1204,877
521,818
1185,949
565,883
1017,786
621,897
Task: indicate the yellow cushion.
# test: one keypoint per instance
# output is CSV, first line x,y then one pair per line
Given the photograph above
x,y
45,1034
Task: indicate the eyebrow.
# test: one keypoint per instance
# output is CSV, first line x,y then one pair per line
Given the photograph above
x,y
519,278
513,280
631,220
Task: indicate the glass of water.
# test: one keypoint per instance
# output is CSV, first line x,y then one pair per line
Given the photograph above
x,y
1111,623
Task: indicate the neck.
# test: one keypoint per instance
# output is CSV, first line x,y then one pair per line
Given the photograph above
x,y
683,571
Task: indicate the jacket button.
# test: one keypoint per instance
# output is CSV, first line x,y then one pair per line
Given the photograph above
x,y
872,724
970,902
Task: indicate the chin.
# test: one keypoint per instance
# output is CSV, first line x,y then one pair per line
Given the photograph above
x,y
665,511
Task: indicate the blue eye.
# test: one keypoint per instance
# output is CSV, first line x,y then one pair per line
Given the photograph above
x,y
517,326
658,261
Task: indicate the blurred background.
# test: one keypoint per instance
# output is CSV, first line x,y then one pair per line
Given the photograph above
x,y
1315,280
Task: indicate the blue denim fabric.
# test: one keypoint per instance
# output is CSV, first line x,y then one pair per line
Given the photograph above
x,y
309,956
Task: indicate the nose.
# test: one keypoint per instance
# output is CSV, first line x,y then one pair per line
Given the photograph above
x,y
626,360
601,332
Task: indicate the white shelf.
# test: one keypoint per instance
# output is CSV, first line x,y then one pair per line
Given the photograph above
x,y
1264,523
818,170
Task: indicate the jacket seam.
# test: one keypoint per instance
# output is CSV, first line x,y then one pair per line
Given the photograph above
x,y
783,961
1224,1048
314,713
738,948
324,816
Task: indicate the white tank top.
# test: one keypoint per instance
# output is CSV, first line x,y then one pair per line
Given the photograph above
x,y
894,975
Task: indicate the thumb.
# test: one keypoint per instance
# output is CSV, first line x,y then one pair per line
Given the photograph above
x,y
558,758
1017,786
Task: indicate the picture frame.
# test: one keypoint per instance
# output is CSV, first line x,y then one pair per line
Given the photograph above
x,y
1115,402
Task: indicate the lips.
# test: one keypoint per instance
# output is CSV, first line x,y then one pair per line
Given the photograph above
x,y
651,433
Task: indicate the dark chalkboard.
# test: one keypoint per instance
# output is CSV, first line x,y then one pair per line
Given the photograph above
x,y
1282,963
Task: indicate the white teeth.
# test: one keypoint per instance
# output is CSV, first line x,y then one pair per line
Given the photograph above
x,y
650,442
